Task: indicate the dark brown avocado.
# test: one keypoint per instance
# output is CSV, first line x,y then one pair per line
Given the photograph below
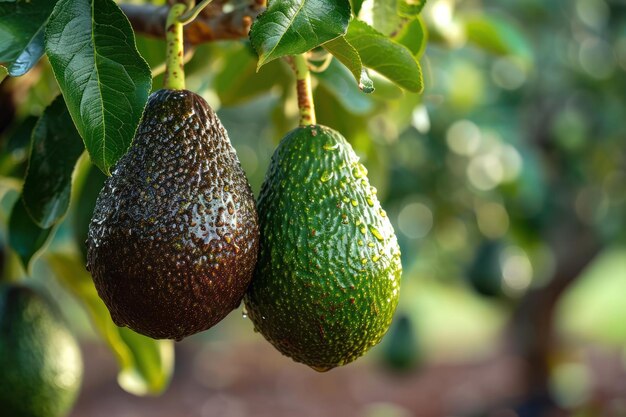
x,y
173,240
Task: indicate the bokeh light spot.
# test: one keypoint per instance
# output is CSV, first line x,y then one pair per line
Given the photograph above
x,y
593,13
493,220
517,271
485,172
415,220
508,73
463,137
596,58
420,119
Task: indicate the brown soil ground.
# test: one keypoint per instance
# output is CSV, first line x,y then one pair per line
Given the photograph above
x,y
217,380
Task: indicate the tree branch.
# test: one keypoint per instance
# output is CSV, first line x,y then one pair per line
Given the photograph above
x,y
213,24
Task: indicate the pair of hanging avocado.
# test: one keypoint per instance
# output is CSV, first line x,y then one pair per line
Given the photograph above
x,y
175,242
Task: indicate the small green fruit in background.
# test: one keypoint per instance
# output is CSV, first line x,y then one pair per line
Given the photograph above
x,y
485,272
328,276
40,361
174,238
401,352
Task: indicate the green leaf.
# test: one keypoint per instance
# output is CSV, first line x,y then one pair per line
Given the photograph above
x,y
153,364
344,52
413,35
146,364
385,18
356,6
389,16
497,35
87,195
22,25
340,83
25,237
238,80
55,148
385,89
104,80
390,59
410,8
152,50
330,111
15,148
19,139
291,27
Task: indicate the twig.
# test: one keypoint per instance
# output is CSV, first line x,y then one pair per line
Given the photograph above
x,y
210,26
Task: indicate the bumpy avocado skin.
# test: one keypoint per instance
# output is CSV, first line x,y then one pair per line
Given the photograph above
x,y
174,236
40,361
327,280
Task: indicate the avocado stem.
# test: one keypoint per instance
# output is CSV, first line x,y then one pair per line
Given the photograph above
x,y
174,56
303,86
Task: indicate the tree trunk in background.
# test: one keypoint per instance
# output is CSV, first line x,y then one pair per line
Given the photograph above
x,y
532,326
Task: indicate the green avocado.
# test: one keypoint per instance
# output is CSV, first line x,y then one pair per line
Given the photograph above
x,y
401,351
327,280
173,239
485,272
40,360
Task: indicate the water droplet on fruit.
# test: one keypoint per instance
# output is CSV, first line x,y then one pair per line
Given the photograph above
x,y
369,202
359,171
330,146
327,176
354,203
376,233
